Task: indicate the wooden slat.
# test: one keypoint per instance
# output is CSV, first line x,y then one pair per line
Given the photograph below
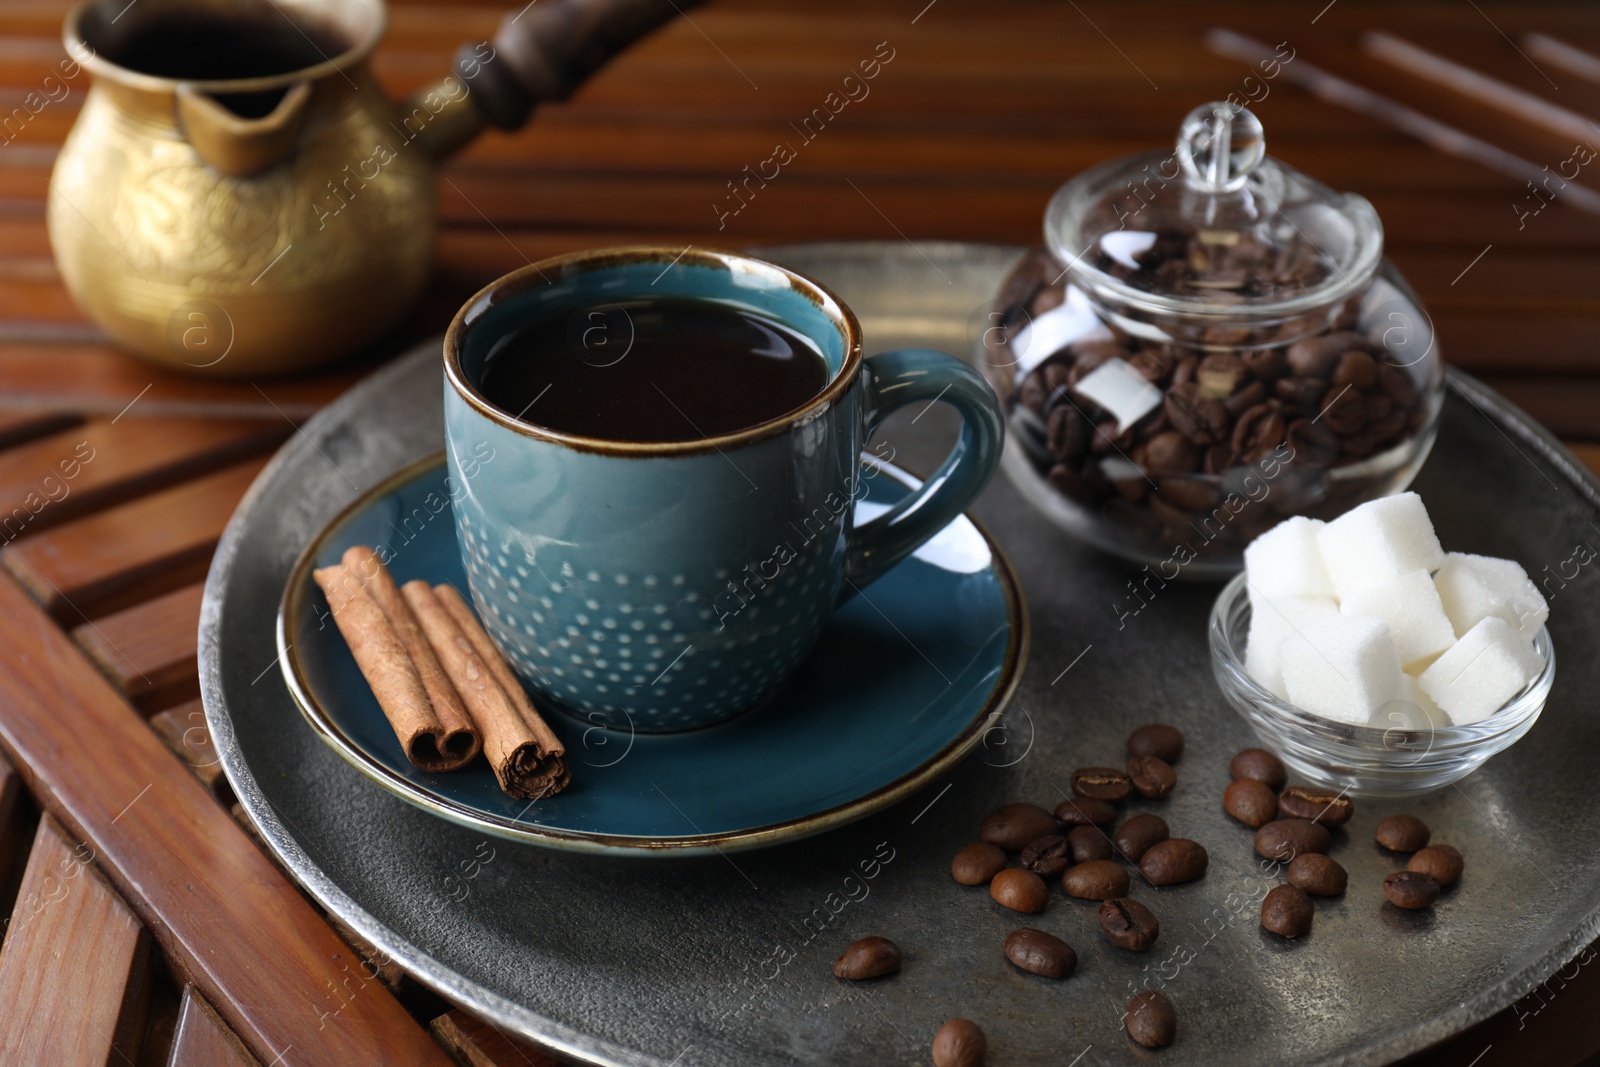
x,y
106,461
19,426
132,552
476,1043
148,651
184,730
74,968
202,1039
227,919
12,836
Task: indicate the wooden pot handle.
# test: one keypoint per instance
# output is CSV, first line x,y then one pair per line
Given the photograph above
x,y
548,48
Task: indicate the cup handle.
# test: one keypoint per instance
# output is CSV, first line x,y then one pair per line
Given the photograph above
x,y
892,380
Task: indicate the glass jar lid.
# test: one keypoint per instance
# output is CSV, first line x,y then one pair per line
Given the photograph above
x,y
1214,228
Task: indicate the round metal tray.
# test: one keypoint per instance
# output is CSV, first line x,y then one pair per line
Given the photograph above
x,y
727,960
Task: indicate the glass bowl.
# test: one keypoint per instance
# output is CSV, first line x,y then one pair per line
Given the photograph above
x,y
1399,755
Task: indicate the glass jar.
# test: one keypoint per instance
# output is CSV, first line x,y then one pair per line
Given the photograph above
x,y
1208,342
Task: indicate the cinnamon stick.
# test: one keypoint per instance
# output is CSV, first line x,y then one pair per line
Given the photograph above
x,y
460,733
390,672
525,755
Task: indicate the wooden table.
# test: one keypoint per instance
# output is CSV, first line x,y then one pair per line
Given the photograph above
x,y
146,925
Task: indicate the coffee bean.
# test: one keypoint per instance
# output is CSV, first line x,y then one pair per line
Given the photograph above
x,y
1344,410
1154,364
1040,953
1128,924
1195,415
1318,875
1012,826
1152,1021
1086,811
1403,833
1100,783
1355,368
1152,776
1046,856
1261,765
1442,863
1087,843
1259,431
1285,839
1244,399
1251,802
977,863
1170,452
1173,861
1219,374
1314,357
1397,384
1410,890
1331,809
1019,890
1287,911
1157,739
1314,445
1190,494
1267,364
1134,837
1067,433
960,1043
1095,880
1303,394
871,957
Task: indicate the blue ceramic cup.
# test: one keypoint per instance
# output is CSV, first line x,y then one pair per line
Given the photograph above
x,y
670,585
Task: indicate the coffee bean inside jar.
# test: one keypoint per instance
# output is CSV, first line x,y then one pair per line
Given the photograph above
x,y
1205,345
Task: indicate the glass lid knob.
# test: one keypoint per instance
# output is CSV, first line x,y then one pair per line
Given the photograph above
x,y
1219,144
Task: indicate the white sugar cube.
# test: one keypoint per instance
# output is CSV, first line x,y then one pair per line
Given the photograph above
x,y
1285,561
1342,667
1487,667
1412,709
1410,605
1116,386
1473,588
1378,542
1271,620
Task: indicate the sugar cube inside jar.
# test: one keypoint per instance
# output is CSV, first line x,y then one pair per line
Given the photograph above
x,y
1208,341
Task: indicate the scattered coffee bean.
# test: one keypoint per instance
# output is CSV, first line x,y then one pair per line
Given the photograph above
x,y
1285,839
1410,890
1331,809
1287,911
1089,843
1403,833
1046,856
1019,890
1251,802
1083,811
1152,776
1175,860
977,863
1442,863
959,1043
871,957
1128,924
1134,837
1095,880
1261,765
1040,953
1012,826
1100,783
1152,1021
1156,739
1319,875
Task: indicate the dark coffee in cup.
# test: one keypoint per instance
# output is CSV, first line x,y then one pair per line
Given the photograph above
x,y
671,369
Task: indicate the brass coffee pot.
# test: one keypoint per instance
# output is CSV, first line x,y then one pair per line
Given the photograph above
x,y
238,197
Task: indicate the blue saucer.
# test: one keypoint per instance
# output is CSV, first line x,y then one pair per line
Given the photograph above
x,y
903,683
